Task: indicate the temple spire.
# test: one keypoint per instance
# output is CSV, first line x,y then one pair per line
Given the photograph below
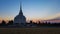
x,y
21,13
20,6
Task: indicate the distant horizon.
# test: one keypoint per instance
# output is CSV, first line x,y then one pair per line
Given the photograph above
x,y
35,10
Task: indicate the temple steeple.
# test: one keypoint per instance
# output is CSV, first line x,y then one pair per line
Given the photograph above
x,y
20,13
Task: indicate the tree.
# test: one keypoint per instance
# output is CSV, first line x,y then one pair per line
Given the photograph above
x,y
3,23
39,22
10,22
31,21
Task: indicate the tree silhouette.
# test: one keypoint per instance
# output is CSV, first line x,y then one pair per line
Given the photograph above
x,y
3,23
10,22
31,21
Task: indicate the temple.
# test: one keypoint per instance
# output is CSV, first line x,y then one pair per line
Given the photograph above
x,y
20,18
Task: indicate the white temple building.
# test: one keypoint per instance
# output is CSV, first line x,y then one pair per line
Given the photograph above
x,y
20,18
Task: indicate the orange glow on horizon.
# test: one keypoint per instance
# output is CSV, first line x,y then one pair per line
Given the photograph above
x,y
34,19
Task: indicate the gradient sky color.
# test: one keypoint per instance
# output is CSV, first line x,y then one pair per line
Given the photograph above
x,y
31,8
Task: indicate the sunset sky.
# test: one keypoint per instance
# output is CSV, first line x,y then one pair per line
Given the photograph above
x,y
32,9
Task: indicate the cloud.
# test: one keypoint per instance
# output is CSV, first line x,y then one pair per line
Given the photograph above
x,y
55,16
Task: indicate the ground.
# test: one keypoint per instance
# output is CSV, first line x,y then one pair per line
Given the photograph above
x,y
29,30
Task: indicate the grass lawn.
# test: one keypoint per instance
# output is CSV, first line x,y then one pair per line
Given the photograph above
x,y
29,30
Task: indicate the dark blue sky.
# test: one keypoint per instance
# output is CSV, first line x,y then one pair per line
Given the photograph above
x,y
31,8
